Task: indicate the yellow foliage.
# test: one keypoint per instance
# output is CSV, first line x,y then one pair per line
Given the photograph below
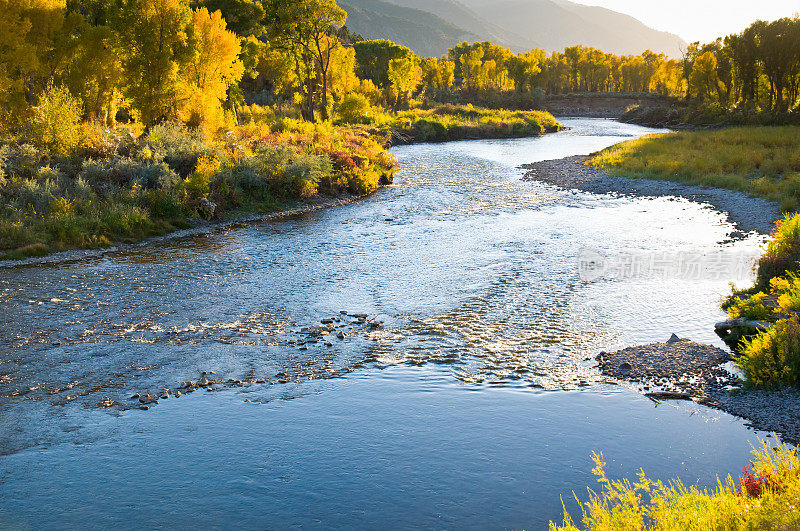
x,y
646,504
213,67
199,182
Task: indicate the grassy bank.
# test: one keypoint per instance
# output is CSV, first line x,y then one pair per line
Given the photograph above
x,y
678,114
443,123
765,497
449,122
124,185
120,186
761,161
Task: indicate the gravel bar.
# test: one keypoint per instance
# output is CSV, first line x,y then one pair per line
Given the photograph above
x,y
747,213
680,369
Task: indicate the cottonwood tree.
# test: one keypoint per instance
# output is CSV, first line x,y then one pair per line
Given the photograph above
x,y
523,68
405,75
212,67
303,30
155,34
438,73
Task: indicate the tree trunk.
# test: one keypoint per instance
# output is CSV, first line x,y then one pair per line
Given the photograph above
x,y
324,98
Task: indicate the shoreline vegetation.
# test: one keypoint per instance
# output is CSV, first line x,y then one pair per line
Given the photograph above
x,y
121,185
756,160
764,497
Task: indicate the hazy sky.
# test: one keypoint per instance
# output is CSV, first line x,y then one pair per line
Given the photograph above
x,y
700,20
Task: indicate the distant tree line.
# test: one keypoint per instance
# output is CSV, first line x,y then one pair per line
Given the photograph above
x,y
198,61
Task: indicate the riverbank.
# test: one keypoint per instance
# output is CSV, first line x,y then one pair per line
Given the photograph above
x,y
446,123
197,227
121,186
748,213
760,161
680,369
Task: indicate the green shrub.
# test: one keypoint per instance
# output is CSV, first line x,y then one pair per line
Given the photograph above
x,y
355,109
55,122
125,173
783,251
304,174
772,358
176,145
751,308
22,160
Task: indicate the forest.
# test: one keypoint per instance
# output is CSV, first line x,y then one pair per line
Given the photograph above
x,y
121,119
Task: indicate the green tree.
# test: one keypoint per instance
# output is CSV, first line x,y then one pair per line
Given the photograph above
x,y
704,80
372,59
243,17
405,75
303,29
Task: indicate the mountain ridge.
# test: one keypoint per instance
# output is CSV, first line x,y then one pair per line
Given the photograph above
x,y
430,27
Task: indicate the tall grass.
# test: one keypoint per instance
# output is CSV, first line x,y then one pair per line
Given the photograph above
x,y
761,161
767,496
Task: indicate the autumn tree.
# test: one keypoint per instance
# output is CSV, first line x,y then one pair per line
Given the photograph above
x,y
438,73
343,78
212,67
304,30
405,75
93,71
158,47
523,68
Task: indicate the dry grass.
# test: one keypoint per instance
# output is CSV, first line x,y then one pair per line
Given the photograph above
x,y
761,161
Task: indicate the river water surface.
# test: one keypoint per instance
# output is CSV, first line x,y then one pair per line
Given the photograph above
x,y
467,398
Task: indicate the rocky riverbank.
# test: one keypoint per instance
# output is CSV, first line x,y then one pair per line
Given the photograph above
x,y
748,213
680,369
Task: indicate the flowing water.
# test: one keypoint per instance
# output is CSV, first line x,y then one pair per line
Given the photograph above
x,y
468,396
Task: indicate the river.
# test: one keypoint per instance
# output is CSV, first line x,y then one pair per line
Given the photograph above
x,y
468,398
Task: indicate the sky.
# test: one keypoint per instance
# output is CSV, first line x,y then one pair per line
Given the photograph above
x,y
700,20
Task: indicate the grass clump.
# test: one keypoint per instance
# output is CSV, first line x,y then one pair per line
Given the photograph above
x,y
760,161
765,497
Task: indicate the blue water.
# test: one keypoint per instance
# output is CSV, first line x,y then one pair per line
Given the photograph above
x,y
475,404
